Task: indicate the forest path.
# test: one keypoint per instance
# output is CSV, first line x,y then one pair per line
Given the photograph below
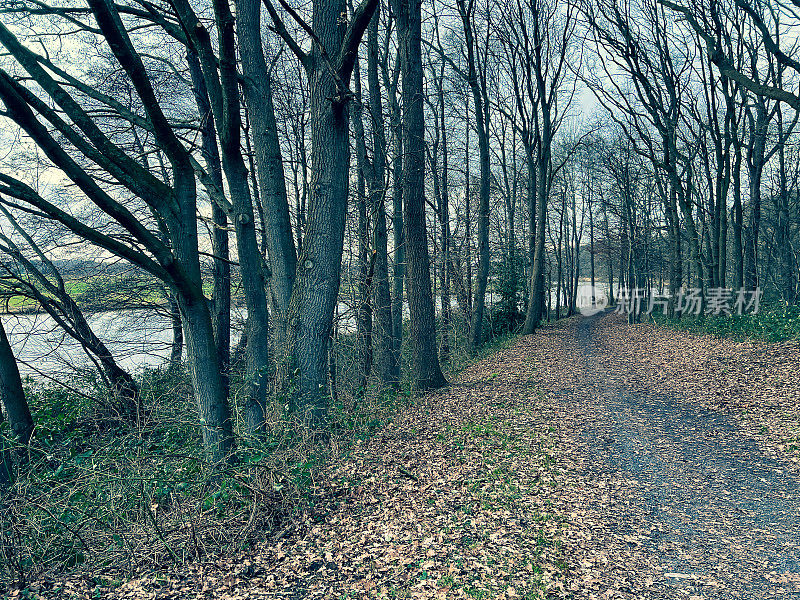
x,y
685,502
592,460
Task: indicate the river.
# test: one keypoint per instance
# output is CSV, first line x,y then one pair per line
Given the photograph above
x,y
138,338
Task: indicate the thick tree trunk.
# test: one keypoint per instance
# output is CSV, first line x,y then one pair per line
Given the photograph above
x,y
208,383
694,242
427,373
530,201
271,181
467,224
221,273
609,253
257,354
559,267
221,294
317,285
228,109
209,388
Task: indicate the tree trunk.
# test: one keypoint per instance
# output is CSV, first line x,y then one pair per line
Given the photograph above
x,y
176,349
15,406
399,264
366,263
212,402
787,283
228,116
737,220
271,180
444,220
482,126
755,166
386,365
319,267
591,248
221,272
427,373
535,303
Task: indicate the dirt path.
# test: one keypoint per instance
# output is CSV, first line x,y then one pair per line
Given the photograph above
x,y
708,509
592,460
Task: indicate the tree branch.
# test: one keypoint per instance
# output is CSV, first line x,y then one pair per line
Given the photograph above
x,y
352,38
725,65
279,28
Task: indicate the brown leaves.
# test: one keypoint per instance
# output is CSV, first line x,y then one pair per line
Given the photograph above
x,y
758,382
450,501
490,489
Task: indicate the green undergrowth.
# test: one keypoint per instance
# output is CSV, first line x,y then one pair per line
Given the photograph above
x,y
100,495
103,497
774,322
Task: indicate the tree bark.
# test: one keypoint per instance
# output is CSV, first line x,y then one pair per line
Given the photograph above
x,y
482,126
398,230
444,219
365,257
269,165
176,348
221,272
386,364
15,405
426,371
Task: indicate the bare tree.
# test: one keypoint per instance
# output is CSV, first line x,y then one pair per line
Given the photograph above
x,y
476,79
172,203
386,359
426,370
552,48
329,66
44,284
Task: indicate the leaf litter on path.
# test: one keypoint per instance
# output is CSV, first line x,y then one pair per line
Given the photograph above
x,y
561,467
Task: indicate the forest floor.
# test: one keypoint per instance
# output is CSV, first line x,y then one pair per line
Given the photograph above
x,y
591,460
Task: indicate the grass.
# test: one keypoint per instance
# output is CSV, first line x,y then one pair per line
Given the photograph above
x,y
102,495
100,292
